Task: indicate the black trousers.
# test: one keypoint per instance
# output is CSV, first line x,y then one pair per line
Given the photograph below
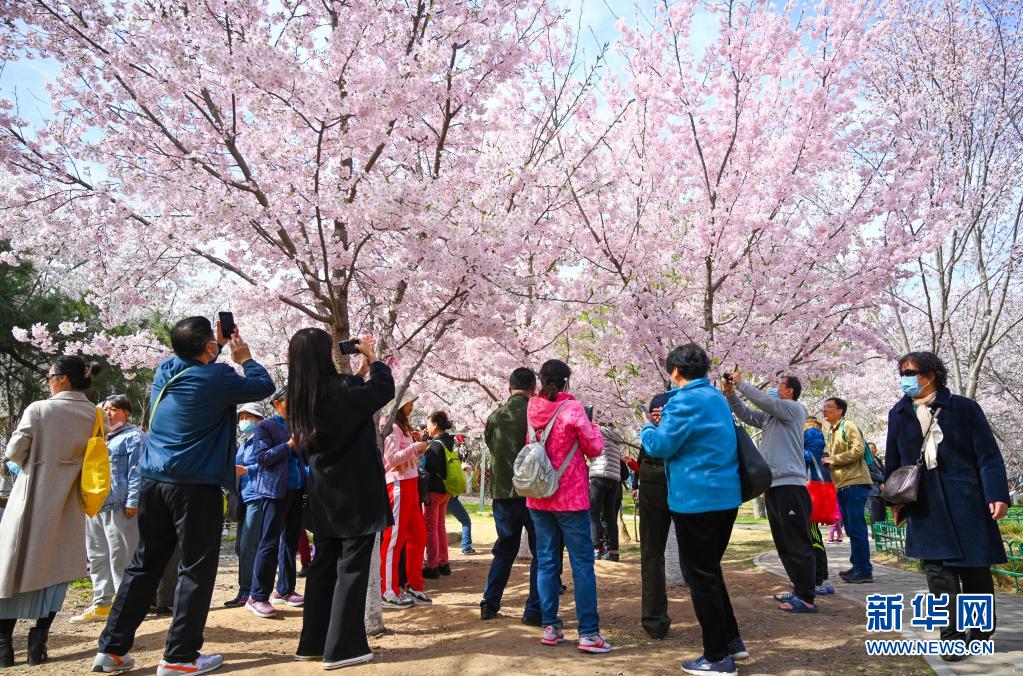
x,y
702,541
168,581
788,512
654,523
170,515
942,579
603,514
335,599
820,555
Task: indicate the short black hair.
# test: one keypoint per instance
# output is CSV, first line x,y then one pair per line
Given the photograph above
x,y
119,401
190,335
690,359
797,387
522,378
927,363
841,404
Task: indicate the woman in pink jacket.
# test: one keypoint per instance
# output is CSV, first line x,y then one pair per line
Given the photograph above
x,y
564,516
401,461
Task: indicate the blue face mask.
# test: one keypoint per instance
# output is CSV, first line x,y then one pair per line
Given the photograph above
x,y
773,393
247,426
911,386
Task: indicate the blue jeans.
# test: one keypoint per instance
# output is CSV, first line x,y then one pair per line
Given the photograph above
x,y
264,568
248,543
291,533
510,517
457,510
852,501
572,528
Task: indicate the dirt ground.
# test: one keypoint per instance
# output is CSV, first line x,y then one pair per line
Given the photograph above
x,y
449,637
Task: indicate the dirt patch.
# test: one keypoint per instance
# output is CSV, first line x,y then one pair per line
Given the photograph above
x,y
450,638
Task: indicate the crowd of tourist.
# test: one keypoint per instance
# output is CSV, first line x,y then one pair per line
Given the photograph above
x,y
322,460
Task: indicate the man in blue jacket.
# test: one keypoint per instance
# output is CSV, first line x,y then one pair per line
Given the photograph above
x,y
190,456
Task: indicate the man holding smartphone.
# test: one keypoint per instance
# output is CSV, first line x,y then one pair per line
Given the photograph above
x,y
189,458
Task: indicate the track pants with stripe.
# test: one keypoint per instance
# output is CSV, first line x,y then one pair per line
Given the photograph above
x,y
408,533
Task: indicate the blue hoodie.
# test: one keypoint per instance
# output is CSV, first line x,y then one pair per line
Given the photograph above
x,y
696,438
191,437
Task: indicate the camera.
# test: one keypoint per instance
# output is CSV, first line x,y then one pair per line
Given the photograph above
x,y
348,347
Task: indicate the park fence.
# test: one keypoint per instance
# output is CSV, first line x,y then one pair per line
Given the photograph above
x,y
891,539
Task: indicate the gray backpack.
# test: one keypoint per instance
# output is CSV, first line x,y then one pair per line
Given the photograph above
x,y
533,475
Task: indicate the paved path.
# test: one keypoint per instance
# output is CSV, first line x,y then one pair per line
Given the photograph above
x,y
1008,657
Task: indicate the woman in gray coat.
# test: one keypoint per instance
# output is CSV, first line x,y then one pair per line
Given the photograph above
x,y
42,533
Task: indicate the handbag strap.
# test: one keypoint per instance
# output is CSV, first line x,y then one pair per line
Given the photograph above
x,y
159,397
923,445
97,425
817,466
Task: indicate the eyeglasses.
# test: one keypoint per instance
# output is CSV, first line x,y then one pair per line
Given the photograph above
x,y
909,373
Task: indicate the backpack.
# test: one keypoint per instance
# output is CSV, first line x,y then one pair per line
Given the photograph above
x,y
454,482
95,481
533,476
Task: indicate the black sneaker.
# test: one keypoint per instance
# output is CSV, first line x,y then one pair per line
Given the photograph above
x,y
611,556
531,621
487,613
857,577
847,572
444,569
737,649
431,573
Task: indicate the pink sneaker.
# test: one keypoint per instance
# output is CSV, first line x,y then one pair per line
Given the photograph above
x,y
260,608
293,599
552,635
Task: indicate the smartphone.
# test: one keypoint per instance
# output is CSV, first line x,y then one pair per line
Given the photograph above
x,y
589,412
349,346
641,410
227,326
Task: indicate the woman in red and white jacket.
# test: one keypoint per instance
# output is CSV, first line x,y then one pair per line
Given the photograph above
x,y
401,461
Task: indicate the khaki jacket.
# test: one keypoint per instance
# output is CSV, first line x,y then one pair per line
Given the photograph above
x,y
845,449
42,534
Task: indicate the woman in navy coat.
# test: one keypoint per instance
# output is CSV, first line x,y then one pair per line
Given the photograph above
x,y
953,525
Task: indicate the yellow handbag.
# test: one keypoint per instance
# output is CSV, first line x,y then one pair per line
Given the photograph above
x,y
96,469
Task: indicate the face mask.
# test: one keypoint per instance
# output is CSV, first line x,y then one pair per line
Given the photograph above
x,y
910,386
247,426
114,427
773,393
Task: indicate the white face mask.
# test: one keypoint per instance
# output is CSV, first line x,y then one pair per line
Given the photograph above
x,y
115,427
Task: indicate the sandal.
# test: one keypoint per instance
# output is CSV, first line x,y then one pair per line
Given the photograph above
x,y
797,605
784,598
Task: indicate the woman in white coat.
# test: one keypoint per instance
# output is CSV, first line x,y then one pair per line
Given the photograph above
x,y
42,537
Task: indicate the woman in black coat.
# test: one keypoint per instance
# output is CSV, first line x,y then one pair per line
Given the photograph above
x,y
952,526
331,416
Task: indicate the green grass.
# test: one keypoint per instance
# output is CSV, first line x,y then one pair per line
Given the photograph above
x,y
82,585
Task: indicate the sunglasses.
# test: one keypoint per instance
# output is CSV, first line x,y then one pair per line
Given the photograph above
x,y
909,373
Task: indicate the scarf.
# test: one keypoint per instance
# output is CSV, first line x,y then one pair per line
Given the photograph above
x,y
929,422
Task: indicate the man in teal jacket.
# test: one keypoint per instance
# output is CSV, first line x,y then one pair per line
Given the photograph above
x,y
190,456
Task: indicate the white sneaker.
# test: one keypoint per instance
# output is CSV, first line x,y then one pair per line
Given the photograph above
x,y
107,663
204,664
351,662
394,602
418,598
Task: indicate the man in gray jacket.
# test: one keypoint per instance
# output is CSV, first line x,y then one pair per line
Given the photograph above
x,y
781,418
605,487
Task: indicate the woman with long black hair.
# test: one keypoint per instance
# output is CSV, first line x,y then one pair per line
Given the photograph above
x,y
330,416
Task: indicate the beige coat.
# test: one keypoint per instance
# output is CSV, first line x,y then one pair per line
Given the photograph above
x,y
42,534
845,448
